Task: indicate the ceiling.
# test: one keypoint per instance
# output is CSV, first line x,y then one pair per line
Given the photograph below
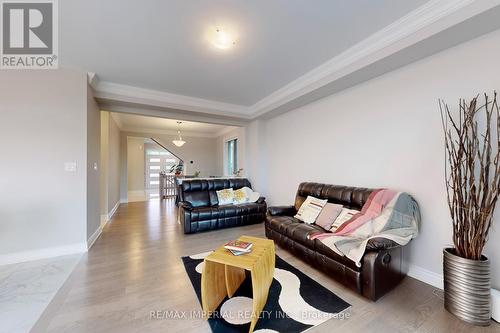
x,y
160,45
138,123
152,57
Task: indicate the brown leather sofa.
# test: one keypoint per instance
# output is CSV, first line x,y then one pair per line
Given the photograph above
x,y
199,208
382,265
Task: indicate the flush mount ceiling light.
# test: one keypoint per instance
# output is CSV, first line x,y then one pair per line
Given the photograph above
x,y
179,142
222,39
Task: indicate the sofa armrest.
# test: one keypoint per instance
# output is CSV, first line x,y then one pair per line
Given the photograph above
x,y
381,271
186,205
282,211
261,200
379,243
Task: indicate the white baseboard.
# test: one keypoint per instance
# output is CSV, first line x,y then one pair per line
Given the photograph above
x,y
104,220
424,275
113,211
17,257
106,217
94,237
123,200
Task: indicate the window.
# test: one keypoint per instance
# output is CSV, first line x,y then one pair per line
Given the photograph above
x,y
156,160
232,156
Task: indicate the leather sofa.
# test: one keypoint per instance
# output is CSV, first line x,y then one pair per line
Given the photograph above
x,y
199,208
382,266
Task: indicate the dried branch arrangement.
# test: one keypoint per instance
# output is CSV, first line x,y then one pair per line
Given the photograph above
x,y
472,171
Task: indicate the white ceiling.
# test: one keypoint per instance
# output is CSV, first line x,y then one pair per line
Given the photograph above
x,y
160,45
138,123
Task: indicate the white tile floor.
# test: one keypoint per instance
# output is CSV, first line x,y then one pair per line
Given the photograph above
x,y
27,288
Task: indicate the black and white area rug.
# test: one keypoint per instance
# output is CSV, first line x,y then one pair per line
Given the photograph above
x,y
295,302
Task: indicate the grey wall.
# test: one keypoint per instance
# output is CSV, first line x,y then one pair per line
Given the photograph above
x,y
113,164
256,155
202,151
43,120
93,164
135,164
110,164
383,133
104,174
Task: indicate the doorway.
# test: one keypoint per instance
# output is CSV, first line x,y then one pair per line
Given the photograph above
x,y
147,161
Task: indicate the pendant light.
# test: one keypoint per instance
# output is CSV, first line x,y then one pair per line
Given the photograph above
x,y
179,142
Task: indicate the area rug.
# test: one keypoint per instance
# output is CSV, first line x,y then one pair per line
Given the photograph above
x,y
295,302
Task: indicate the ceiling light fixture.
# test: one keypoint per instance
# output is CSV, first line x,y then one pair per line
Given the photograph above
x,y
223,40
179,142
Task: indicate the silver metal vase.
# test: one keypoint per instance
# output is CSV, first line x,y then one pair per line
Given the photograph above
x,y
467,288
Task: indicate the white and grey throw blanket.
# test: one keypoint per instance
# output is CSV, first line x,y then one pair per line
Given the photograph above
x,y
387,214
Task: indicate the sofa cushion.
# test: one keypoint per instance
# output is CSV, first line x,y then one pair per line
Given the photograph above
x,y
301,232
294,229
217,212
205,213
251,208
281,223
195,192
197,199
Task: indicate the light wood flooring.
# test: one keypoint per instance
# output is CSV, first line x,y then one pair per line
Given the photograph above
x,y
135,268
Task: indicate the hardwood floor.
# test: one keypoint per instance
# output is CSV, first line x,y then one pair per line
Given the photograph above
x,y
135,268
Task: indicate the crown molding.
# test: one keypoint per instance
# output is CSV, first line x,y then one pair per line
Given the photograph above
x,y
124,94
225,131
92,79
117,120
421,23
185,134
429,19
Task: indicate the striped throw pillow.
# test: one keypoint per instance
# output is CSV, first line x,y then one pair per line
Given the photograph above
x,y
345,215
310,209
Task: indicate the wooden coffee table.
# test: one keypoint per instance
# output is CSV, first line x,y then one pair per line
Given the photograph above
x,y
224,272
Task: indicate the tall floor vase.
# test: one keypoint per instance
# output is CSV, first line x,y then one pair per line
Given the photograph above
x,y
467,288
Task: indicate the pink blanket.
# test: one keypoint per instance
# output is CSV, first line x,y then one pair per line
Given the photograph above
x,y
376,202
386,214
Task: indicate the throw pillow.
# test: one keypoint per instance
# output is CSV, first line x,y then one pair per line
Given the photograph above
x,y
345,215
328,215
252,195
244,195
240,196
225,196
310,209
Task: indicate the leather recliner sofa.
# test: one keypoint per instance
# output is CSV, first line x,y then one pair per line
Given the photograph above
x,y
199,208
382,266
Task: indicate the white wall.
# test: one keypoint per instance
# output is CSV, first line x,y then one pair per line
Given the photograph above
x,y
43,124
384,133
